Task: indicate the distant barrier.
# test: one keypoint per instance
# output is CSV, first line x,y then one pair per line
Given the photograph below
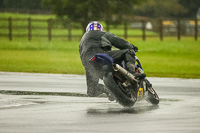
x,y
179,28
64,29
46,24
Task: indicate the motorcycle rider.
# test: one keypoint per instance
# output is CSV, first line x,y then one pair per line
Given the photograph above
x,y
94,41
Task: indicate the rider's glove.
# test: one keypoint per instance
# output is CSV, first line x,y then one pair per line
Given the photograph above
x,y
135,49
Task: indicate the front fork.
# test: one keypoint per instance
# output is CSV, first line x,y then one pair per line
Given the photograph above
x,y
144,88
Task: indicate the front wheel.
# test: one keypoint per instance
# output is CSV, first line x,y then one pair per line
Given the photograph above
x,y
152,96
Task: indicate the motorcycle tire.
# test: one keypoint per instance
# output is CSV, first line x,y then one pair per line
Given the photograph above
x,y
152,96
120,97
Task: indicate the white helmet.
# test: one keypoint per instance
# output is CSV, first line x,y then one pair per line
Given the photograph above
x,y
94,25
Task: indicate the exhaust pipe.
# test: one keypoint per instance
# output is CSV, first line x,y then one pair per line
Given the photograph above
x,y
124,73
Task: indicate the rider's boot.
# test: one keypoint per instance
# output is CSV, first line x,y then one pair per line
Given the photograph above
x,y
130,61
131,68
101,89
109,95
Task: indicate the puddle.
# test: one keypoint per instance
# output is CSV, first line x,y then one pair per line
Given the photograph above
x,y
169,100
13,104
32,98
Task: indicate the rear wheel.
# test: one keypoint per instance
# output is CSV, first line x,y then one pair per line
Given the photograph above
x,y
120,96
128,91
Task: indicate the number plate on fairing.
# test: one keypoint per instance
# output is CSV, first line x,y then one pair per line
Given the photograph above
x,y
140,94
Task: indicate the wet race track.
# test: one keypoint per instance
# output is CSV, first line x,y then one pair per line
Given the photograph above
x,y
42,111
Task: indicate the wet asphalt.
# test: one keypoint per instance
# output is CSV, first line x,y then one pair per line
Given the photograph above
x,y
41,111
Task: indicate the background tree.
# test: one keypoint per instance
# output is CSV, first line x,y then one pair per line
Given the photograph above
x,y
23,4
1,4
84,11
160,8
192,6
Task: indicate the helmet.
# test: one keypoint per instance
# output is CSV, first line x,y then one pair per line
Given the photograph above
x,y
94,25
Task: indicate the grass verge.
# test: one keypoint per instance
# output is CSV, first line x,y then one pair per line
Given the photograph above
x,y
168,58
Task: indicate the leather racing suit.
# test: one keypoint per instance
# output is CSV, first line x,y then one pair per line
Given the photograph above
x,y
94,42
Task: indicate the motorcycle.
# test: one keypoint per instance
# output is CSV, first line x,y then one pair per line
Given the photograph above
x,y
125,87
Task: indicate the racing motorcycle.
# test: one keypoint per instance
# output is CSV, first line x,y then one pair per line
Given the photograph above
x,y
125,87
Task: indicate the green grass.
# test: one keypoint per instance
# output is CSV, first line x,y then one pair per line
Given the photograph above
x,y
171,58
168,58
40,56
